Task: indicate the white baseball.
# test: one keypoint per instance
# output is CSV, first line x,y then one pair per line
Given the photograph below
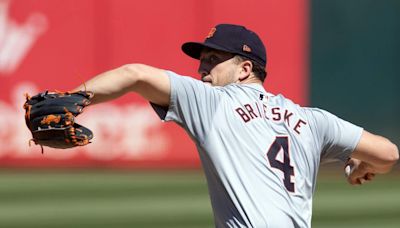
x,y
347,170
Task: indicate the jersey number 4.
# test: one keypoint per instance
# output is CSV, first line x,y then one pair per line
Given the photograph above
x,y
281,143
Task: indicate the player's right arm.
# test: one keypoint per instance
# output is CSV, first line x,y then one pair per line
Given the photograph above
x,y
369,154
373,154
151,83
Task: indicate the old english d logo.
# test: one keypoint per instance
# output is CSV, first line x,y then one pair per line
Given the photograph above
x,y
211,33
246,48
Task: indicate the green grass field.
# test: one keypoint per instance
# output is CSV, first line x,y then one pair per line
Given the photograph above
x,y
168,199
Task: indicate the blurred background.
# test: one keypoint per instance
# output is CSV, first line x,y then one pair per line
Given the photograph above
x,y
342,56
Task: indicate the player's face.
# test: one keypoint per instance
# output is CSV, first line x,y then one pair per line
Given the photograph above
x,y
217,68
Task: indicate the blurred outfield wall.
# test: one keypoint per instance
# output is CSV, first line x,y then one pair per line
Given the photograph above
x,y
58,44
342,56
355,62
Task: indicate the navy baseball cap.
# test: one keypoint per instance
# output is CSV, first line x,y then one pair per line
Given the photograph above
x,y
230,38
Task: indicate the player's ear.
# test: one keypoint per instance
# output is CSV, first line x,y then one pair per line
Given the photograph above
x,y
246,67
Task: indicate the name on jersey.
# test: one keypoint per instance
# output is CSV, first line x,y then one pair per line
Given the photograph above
x,y
254,111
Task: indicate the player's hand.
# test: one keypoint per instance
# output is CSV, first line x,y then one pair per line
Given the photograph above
x,y
358,172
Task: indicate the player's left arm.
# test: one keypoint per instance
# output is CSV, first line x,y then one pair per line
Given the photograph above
x,y
373,154
151,83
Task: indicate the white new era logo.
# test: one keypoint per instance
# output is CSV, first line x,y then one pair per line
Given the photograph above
x,y
17,39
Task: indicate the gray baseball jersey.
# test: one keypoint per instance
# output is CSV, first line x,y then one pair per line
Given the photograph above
x,y
260,152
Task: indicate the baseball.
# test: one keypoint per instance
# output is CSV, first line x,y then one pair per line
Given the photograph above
x,y
347,170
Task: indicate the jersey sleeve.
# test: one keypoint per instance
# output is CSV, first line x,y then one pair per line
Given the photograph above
x,y
337,138
192,105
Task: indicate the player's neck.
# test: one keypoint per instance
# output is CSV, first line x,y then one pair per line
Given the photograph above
x,y
250,80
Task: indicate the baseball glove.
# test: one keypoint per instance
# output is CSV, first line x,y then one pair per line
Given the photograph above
x,y
50,116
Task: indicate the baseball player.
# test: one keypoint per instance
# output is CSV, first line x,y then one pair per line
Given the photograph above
x,y
260,152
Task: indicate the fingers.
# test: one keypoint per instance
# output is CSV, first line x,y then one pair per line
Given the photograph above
x,y
369,176
361,180
358,172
